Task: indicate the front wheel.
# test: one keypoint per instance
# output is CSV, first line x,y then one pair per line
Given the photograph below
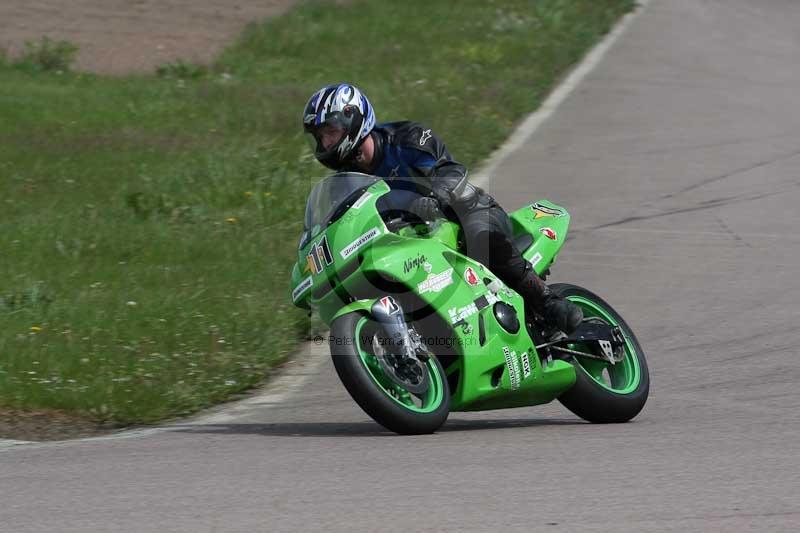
x,y
605,393
356,348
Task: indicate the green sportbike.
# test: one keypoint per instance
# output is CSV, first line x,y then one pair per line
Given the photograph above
x,y
419,329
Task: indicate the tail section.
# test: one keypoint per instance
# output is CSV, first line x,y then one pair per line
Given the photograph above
x,y
539,231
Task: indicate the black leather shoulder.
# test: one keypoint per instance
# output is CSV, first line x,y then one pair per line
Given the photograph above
x,y
420,137
408,134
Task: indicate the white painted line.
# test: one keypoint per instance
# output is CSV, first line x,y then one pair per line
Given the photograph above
x,y
8,443
535,120
277,391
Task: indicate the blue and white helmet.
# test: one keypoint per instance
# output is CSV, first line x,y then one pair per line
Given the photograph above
x,y
338,117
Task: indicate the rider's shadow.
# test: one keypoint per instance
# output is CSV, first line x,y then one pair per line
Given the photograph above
x,y
364,429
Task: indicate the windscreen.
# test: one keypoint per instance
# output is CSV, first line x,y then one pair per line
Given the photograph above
x,y
328,195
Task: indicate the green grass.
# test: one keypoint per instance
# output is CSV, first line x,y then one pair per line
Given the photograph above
x,y
47,55
148,222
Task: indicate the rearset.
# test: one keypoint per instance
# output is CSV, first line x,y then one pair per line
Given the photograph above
x,y
592,332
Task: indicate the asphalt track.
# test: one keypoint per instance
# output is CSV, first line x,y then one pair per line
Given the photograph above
x,y
678,157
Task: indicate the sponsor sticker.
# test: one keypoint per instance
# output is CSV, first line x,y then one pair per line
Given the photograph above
x,y
526,365
471,277
436,282
361,201
549,233
457,314
537,257
513,367
351,248
542,211
302,287
390,305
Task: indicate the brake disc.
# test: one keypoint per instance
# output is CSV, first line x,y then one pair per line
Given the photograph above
x,y
409,373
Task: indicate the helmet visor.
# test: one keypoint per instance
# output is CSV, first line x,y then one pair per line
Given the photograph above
x,y
328,135
334,139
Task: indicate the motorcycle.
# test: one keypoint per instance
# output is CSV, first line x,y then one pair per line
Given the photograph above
x,y
419,329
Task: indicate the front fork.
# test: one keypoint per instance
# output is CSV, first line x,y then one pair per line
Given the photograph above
x,y
389,314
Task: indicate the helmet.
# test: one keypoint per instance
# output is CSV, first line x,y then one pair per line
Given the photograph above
x,y
338,118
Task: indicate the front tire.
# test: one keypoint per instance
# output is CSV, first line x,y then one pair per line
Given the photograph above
x,y
353,344
605,393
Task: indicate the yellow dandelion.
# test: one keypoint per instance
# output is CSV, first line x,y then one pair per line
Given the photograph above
x,y
35,329
248,194
231,220
267,194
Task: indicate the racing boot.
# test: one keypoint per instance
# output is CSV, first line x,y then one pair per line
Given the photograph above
x,y
557,311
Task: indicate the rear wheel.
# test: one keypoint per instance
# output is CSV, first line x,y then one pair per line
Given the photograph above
x,y
605,392
359,358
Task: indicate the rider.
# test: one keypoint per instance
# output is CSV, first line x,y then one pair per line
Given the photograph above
x,y
342,123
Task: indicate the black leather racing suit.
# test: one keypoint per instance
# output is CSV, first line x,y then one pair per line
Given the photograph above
x,y
411,158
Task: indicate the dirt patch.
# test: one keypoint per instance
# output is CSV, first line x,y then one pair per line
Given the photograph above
x,y
47,425
124,36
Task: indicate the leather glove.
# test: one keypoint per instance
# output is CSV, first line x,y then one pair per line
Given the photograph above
x,y
426,208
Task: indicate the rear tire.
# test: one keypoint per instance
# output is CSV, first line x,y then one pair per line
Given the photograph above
x,y
628,387
350,346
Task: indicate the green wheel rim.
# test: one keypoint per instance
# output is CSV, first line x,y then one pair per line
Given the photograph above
x,y
428,402
621,378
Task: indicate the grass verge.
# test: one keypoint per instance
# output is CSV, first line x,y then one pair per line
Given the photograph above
x,y
149,222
